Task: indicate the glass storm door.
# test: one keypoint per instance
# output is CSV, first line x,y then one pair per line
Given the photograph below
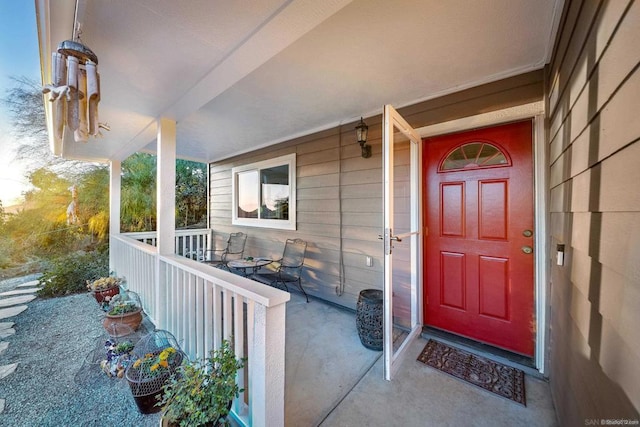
x,y
402,240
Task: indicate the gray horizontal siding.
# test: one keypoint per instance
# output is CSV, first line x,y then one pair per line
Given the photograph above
x,y
594,134
339,193
319,214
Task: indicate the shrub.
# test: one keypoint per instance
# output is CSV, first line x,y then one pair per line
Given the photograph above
x,y
202,392
5,253
69,274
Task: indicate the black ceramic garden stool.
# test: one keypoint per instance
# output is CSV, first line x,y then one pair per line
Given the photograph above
x,y
369,318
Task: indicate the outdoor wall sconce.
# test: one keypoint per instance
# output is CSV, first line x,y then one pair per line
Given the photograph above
x,y
361,135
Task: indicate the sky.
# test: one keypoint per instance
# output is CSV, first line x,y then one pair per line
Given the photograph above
x,y
18,57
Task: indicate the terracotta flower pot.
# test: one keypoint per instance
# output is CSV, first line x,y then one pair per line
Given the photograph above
x,y
109,292
131,321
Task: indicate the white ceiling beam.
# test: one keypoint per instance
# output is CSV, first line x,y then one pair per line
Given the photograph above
x,y
286,26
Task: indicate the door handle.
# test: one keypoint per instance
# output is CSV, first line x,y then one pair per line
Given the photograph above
x,y
396,238
387,238
527,249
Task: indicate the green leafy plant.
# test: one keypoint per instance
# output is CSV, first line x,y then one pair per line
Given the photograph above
x,y
122,308
122,303
202,390
69,274
123,347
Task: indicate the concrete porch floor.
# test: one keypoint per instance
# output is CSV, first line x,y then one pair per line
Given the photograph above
x,y
332,380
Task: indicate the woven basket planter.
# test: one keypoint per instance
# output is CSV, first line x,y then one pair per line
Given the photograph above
x,y
147,391
157,357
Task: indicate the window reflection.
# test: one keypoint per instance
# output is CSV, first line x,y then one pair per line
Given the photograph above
x,y
275,193
248,196
263,193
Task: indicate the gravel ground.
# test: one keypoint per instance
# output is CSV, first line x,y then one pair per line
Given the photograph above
x,y
57,382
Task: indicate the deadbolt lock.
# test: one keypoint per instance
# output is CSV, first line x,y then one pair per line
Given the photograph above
x,y
527,233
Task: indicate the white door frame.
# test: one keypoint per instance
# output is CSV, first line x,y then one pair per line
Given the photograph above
x,y
534,111
392,121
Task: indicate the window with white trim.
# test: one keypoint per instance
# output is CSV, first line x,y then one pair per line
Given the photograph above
x,y
264,193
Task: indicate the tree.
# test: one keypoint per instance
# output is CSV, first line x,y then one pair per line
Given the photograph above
x,y
138,198
2,217
191,193
93,197
40,230
138,209
24,103
5,244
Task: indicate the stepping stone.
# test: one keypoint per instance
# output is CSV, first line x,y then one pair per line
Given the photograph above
x,y
3,346
11,311
7,332
1,406
8,302
19,292
30,284
7,370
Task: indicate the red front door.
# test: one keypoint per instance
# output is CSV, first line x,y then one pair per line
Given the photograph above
x,y
479,216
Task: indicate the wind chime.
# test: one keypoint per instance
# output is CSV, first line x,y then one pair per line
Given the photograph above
x,y
75,90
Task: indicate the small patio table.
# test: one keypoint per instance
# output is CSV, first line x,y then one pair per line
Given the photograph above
x,y
253,264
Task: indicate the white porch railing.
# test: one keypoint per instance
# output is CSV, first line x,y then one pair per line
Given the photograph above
x,y
136,262
191,243
202,305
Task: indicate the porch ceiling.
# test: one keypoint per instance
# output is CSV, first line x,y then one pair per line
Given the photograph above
x,y
242,74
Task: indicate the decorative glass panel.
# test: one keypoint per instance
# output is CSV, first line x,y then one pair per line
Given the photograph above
x,y
474,155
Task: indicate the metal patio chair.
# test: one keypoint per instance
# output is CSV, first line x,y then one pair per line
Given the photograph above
x,y
234,250
288,269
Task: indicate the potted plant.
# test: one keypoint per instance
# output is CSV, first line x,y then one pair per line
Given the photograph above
x,y
117,357
104,288
203,390
124,314
156,357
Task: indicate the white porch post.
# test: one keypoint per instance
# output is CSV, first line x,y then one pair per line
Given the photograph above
x,y
266,368
166,201
115,170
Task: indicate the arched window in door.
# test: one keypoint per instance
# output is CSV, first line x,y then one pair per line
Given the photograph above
x,y
474,155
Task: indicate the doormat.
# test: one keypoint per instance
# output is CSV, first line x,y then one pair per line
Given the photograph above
x,y
495,377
